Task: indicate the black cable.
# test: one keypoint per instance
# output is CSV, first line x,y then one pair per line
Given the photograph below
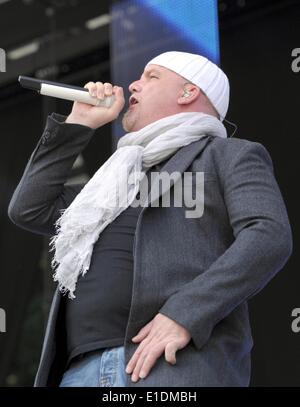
x,y
232,124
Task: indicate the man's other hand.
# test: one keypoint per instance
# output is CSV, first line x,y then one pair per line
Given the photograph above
x,y
161,334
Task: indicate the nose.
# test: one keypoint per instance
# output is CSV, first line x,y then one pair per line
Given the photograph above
x,y
134,87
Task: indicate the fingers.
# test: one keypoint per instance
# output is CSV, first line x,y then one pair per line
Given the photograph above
x,y
108,89
99,90
146,361
135,357
119,103
145,364
170,352
143,332
92,87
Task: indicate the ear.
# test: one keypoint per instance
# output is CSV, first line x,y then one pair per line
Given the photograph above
x,y
188,94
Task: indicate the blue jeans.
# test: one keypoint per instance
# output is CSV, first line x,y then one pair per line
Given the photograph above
x,y
100,368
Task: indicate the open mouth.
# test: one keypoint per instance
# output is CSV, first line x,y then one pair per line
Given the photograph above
x,y
132,101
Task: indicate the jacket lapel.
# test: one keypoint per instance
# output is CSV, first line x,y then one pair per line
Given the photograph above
x,y
178,163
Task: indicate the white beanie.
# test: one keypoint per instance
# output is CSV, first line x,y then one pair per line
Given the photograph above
x,y
201,72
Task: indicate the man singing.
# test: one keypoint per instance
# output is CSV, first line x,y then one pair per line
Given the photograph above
x,y
154,297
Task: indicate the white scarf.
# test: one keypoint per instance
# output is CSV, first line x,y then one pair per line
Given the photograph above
x,y
114,187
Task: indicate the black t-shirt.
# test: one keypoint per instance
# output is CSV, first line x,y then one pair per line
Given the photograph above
x,y
98,316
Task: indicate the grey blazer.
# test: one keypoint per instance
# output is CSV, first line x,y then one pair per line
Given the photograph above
x,y
199,272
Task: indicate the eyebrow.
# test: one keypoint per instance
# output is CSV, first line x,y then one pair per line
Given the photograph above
x,y
152,70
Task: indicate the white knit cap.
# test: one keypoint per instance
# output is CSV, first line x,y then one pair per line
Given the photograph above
x,y
201,72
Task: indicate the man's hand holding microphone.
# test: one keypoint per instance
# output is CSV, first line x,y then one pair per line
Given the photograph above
x,y
97,116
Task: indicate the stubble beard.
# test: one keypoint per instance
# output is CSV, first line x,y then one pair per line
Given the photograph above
x,y
127,121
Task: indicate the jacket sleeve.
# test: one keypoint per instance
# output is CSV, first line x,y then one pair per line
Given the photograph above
x,y
41,194
261,247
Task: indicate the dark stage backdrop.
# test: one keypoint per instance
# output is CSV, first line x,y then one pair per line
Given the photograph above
x,y
256,55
